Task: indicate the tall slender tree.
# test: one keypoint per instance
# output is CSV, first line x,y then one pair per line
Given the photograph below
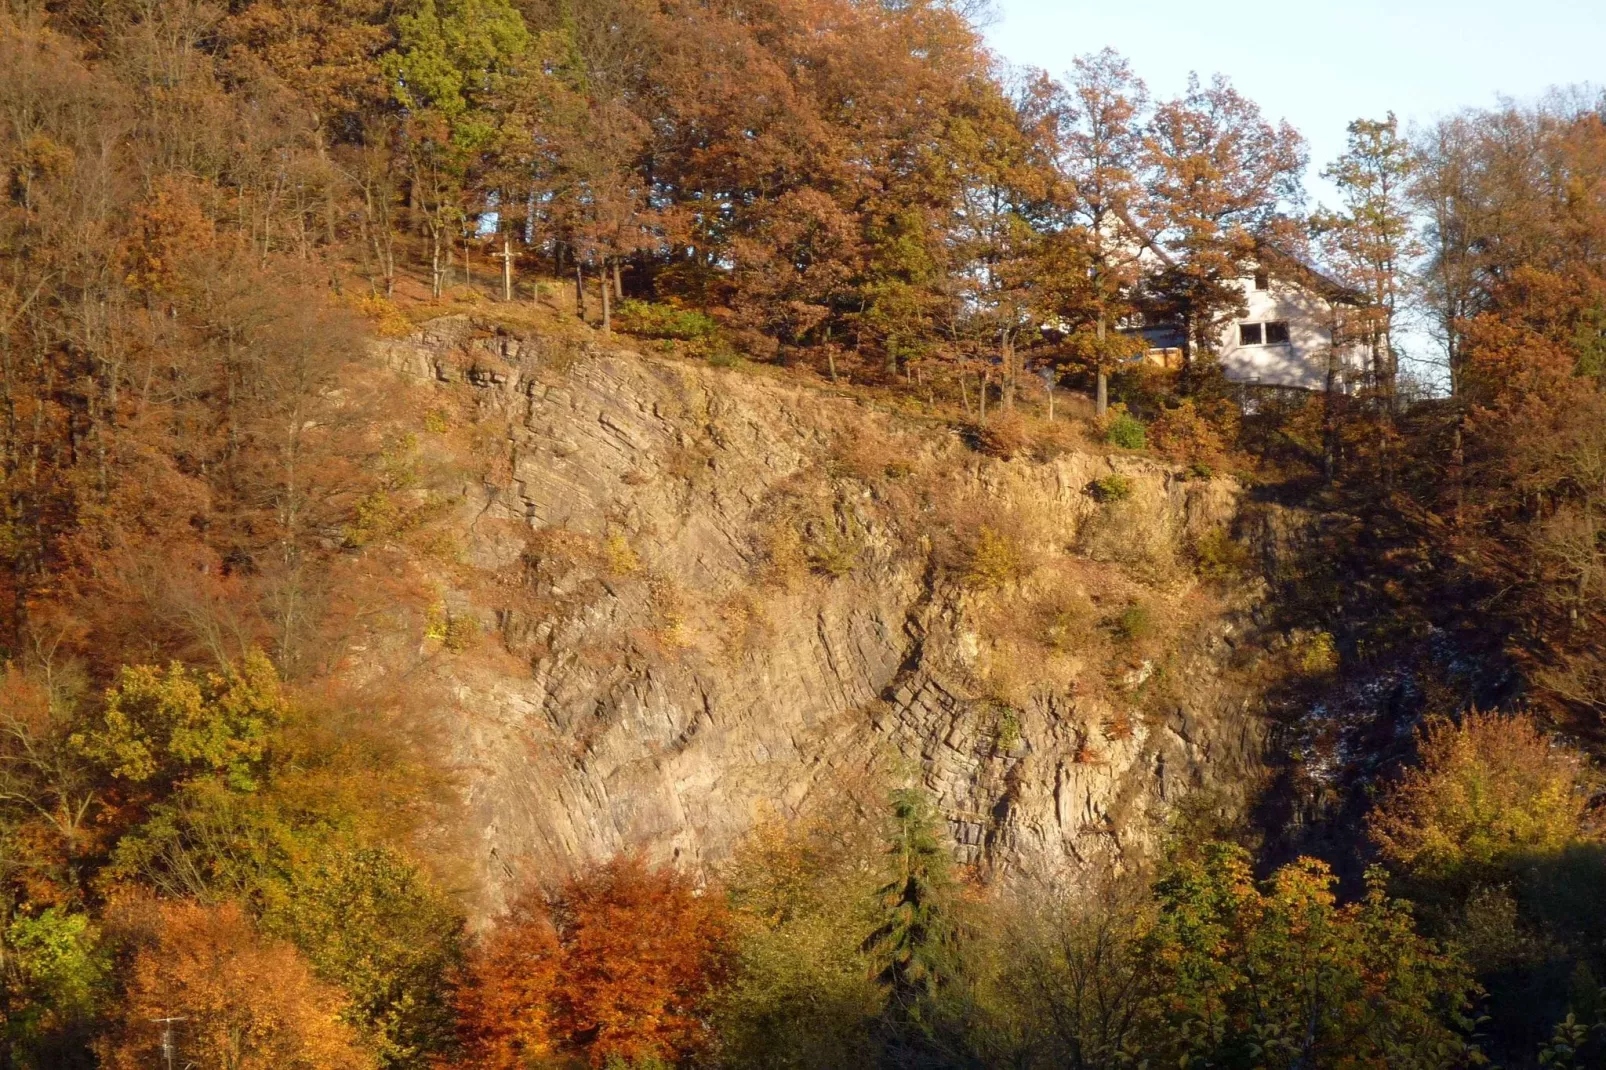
x,y
1220,178
1371,240
914,948
1100,143
451,62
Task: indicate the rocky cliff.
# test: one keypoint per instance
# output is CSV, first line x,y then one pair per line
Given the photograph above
x,y
685,595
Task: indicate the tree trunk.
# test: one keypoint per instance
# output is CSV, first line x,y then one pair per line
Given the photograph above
x,y
1187,351
986,381
1101,378
1007,354
507,268
1330,420
435,270
1458,474
579,289
618,281
1048,386
607,317
1384,407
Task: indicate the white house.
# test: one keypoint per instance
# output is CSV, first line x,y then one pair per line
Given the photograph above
x,y
1291,333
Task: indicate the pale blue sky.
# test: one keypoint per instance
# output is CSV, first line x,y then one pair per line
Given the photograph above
x,y
1321,64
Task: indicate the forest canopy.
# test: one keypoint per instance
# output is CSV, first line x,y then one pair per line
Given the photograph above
x,y
210,496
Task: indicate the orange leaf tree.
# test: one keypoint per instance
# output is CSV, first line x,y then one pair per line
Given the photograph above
x,y
622,964
245,1003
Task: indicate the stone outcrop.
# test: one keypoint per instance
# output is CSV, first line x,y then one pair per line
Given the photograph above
x,y
706,592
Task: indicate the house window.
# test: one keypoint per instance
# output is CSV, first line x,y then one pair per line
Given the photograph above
x,y
1262,280
1274,333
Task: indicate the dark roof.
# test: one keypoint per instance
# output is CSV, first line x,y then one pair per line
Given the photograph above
x,y
1279,259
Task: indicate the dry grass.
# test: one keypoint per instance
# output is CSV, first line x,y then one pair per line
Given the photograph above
x,y
786,565
1044,636
872,455
1119,727
742,624
689,463
807,530
670,612
1065,619
384,317
1136,534
618,558
983,545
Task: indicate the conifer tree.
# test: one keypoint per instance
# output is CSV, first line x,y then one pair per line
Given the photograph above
x,y
914,948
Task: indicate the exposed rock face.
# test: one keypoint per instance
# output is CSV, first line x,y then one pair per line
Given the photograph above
x,y
723,591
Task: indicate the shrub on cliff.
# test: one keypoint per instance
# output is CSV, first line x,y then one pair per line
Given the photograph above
x,y
653,320
1111,488
1126,432
1187,434
995,560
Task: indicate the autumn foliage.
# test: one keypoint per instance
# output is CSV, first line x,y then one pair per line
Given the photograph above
x,y
243,1001
1489,790
622,964
211,507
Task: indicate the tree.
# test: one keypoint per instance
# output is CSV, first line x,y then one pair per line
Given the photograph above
x,y
507,1010
802,993
1371,241
449,67
52,798
1517,285
1489,833
1075,975
246,1003
1372,245
623,965
1488,792
1219,179
1282,976
1095,260
53,981
160,729
327,52
914,948
369,921
1442,193
1001,190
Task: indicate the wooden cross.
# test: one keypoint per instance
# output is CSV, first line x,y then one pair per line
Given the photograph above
x,y
506,256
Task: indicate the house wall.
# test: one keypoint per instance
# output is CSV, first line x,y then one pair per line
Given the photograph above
x,y
1300,363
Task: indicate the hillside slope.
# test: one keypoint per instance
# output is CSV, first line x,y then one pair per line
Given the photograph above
x,y
684,596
